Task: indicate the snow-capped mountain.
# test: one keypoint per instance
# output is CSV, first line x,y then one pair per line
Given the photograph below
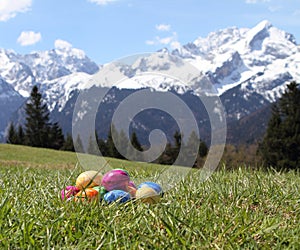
x,y
25,71
232,56
247,67
10,101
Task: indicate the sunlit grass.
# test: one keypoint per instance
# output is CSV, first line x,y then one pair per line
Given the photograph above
x,y
232,210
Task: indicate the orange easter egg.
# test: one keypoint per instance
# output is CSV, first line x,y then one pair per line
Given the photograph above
x,y
132,191
89,194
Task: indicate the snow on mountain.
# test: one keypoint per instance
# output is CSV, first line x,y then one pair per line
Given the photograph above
x,y
255,63
25,71
57,72
57,91
160,71
246,51
228,58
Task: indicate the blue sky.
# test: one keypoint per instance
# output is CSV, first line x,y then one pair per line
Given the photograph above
x,y
110,29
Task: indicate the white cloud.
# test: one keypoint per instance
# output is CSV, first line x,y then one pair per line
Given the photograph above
x,y
167,40
257,1
29,38
61,44
150,42
10,8
175,45
102,2
163,27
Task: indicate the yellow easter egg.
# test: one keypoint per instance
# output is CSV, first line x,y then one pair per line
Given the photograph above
x,y
147,195
88,179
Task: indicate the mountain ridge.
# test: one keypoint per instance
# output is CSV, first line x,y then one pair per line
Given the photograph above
x,y
254,64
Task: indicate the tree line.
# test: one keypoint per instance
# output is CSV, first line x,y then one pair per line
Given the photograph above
x,y
279,148
39,131
167,157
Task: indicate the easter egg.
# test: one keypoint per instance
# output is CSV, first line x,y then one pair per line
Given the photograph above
x,y
122,170
88,179
89,194
97,188
101,190
68,192
116,179
131,184
152,185
132,191
117,195
147,195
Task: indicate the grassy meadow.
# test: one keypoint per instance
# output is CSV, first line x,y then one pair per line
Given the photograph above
x,y
249,209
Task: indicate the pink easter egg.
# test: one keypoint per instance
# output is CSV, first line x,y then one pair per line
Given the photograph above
x,y
116,179
131,184
68,192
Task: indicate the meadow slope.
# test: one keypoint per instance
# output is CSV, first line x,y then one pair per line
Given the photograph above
x,y
233,209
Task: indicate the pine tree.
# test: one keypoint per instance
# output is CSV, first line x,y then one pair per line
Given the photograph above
x,y
12,137
78,145
178,140
123,143
167,157
37,120
103,147
270,148
68,144
111,148
203,149
93,145
56,138
192,142
21,135
39,131
193,153
281,144
135,142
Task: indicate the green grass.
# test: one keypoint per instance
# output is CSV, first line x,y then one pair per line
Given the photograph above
x,y
36,156
232,210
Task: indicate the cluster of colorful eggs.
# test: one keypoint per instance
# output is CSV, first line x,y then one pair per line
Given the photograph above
x,y
114,186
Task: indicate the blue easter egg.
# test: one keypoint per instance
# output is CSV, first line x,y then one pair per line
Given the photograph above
x,y
117,195
152,185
